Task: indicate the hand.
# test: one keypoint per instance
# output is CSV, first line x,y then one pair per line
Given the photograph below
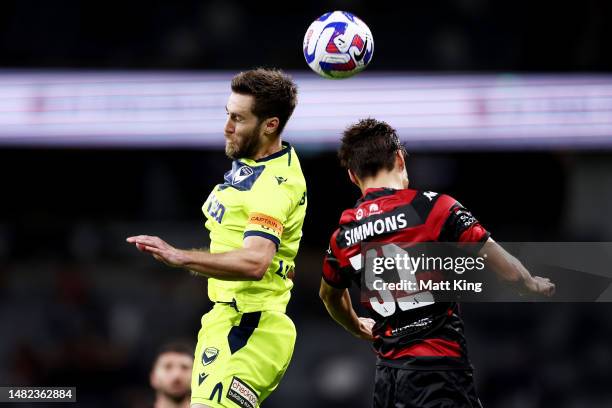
x,y
160,249
365,328
541,286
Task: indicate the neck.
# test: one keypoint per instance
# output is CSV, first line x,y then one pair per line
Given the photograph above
x,y
382,180
267,149
165,402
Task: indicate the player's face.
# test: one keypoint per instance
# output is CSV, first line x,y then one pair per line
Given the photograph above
x,y
243,128
171,375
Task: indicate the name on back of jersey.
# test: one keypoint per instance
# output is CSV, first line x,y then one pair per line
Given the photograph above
x,y
372,228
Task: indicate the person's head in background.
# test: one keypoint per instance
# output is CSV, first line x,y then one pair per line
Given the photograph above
x,y
171,375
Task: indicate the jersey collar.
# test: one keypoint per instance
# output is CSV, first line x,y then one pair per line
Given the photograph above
x,y
372,193
286,149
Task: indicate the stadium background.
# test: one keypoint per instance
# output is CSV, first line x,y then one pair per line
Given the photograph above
x,y
80,307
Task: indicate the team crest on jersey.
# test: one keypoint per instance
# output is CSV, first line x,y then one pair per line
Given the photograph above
x,y
241,176
209,355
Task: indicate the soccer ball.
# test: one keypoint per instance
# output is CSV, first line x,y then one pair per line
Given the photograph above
x,y
338,45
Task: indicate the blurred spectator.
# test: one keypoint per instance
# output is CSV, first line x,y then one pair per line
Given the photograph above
x,y
171,376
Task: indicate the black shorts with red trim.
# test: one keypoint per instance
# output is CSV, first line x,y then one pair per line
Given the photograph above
x,y
405,388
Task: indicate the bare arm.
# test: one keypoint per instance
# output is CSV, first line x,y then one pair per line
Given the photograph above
x,y
247,263
339,306
510,269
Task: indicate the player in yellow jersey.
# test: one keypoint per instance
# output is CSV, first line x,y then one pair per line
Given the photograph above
x,y
255,220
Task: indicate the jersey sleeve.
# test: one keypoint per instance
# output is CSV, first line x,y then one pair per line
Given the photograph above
x,y
268,210
332,272
461,226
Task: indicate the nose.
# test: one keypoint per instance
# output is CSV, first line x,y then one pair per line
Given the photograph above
x,y
229,126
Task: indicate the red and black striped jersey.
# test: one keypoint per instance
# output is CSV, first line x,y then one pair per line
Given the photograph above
x,y
425,337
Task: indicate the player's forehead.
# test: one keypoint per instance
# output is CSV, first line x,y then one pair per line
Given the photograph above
x,y
240,104
172,357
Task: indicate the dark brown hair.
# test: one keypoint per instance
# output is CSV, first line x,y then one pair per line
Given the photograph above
x,y
369,146
274,92
179,347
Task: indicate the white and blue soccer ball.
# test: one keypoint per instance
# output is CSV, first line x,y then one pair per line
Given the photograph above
x,y
338,45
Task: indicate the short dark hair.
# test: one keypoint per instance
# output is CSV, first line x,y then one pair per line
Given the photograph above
x,y
179,347
274,92
368,147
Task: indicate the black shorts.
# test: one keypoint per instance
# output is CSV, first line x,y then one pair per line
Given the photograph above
x,y
403,388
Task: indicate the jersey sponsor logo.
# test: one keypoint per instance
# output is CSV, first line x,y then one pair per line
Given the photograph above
x,y
209,355
266,221
215,209
280,180
242,394
465,217
303,199
373,209
241,174
372,228
417,324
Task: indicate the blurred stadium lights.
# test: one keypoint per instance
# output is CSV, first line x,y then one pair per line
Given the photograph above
x,y
186,109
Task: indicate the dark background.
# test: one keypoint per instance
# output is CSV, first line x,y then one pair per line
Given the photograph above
x,y
79,307
472,35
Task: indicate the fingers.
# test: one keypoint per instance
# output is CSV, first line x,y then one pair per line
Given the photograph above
x,y
156,252
551,289
367,322
147,240
135,238
545,286
143,239
366,325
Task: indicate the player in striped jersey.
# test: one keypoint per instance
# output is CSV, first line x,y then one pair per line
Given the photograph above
x,y
422,355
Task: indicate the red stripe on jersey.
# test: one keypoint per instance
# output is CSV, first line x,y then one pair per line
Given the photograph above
x,y
427,348
476,233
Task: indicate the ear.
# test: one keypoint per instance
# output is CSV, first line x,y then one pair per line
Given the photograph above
x,y
353,177
270,126
400,161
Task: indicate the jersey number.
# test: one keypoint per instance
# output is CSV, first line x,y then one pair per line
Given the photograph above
x,y
389,304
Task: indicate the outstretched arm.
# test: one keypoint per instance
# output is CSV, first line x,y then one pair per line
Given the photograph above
x,y
510,269
339,306
247,263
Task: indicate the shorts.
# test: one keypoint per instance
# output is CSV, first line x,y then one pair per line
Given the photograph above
x,y
240,357
404,388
